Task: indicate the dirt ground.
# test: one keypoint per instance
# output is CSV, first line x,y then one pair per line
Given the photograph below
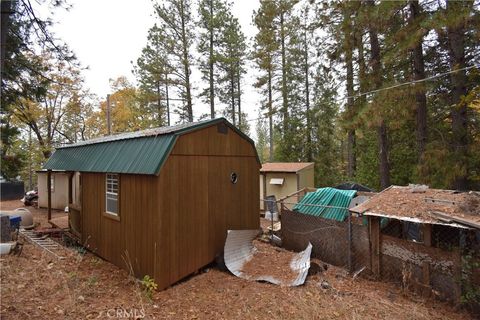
x,y
40,215
276,261
36,285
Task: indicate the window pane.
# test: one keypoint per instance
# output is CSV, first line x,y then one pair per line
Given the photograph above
x,y
112,193
112,183
112,203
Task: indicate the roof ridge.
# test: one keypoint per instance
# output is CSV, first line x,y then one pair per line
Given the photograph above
x,y
158,131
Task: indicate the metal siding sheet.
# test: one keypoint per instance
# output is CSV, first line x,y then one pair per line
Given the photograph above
x,y
239,250
143,155
324,197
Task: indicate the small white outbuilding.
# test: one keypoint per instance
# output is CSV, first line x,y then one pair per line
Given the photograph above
x,y
59,187
284,178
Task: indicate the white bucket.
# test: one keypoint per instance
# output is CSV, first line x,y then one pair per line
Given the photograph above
x,y
5,248
268,216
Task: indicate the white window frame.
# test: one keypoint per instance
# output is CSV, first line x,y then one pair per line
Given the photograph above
x,y
111,179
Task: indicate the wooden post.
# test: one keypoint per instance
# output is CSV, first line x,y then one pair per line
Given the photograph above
x,y
350,267
70,189
427,241
374,223
49,193
264,189
109,120
427,235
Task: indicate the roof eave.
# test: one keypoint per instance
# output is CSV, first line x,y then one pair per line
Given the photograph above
x,y
410,219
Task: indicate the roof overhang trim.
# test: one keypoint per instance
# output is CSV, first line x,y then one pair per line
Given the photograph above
x,y
412,219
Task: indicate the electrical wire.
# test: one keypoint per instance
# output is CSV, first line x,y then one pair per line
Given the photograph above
x,y
390,87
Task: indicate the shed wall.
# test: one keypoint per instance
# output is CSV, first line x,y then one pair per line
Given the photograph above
x,y
174,224
289,185
306,178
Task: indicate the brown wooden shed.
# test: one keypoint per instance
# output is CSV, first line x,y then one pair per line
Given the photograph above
x,y
162,200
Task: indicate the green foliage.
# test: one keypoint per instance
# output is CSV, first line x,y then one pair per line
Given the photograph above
x,y
327,149
232,67
176,23
12,160
367,159
262,139
153,72
214,16
149,286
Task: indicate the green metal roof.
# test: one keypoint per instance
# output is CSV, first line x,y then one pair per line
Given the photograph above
x,y
140,152
325,198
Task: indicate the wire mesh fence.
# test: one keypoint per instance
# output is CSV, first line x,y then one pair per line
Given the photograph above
x,y
437,260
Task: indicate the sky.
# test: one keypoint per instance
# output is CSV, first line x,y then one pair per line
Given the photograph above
x,y
106,35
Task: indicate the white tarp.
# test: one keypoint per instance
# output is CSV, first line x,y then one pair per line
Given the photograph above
x,y
239,250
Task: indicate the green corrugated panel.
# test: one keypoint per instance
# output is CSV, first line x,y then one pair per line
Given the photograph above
x,y
326,197
143,155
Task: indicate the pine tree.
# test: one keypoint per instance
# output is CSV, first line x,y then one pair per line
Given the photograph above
x,y
458,12
232,61
348,46
152,71
327,145
264,49
307,28
214,16
177,24
262,138
415,19
375,62
291,83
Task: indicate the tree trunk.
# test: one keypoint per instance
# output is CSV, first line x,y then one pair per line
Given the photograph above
x,y
159,101
456,46
420,96
210,62
384,167
284,73
307,98
362,69
232,92
239,94
270,114
186,65
351,157
168,100
6,11
44,144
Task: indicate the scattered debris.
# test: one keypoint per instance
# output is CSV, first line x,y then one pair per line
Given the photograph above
x,y
399,203
325,285
356,273
30,198
417,188
276,226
